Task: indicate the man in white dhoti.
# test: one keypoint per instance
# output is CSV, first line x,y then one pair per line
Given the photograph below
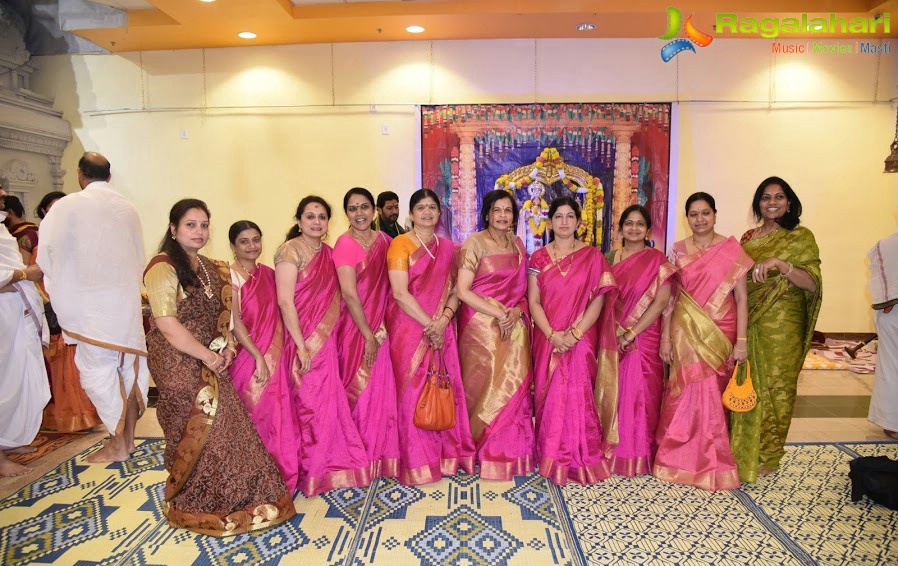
x,y
92,256
884,290
24,388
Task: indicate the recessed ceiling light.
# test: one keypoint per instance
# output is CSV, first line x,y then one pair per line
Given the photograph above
x,y
207,1
414,29
246,35
586,26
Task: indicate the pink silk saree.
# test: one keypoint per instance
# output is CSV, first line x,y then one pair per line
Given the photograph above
x,y
331,452
575,392
268,404
425,456
371,390
497,373
693,440
641,371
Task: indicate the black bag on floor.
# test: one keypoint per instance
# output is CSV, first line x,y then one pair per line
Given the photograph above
x,y
877,478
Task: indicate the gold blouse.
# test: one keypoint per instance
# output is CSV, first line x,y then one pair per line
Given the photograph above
x,y
291,252
163,289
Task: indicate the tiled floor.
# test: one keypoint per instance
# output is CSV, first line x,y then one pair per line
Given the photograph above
x,y
831,407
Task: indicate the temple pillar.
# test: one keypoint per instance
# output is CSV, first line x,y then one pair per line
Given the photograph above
x,y
620,198
465,200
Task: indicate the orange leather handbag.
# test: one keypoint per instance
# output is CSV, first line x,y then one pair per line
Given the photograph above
x,y
740,398
436,405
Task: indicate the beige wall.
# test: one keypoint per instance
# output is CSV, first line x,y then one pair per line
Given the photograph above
x,y
269,134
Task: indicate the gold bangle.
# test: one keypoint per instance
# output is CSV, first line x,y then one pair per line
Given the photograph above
x,y
741,339
576,332
303,354
24,275
791,268
665,341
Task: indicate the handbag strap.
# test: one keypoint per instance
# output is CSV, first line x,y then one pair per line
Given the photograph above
x,y
747,373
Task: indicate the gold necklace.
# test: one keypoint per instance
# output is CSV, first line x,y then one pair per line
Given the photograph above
x,y
756,235
207,286
358,239
557,261
309,249
248,272
426,249
623,251
507,240
702,248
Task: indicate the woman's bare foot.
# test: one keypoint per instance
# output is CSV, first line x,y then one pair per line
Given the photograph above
x,y
22,450
9,469
113,450
891,434
762,473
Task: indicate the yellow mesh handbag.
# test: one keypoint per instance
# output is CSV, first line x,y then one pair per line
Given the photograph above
x,y
740,398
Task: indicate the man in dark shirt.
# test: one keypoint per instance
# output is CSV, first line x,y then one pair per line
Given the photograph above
x,y
387,220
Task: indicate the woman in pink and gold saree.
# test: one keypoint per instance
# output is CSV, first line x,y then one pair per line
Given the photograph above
x,y
702,339
264,390
365,367
419,322
331,453
574,353
643,279
494,334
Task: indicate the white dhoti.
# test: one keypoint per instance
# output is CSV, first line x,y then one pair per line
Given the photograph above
x,y
109,378
884,402
24,388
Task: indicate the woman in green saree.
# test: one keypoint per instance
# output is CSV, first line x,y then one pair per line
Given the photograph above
x,y
784,292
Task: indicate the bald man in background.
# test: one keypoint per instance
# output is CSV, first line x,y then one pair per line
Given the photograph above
x,y
92,256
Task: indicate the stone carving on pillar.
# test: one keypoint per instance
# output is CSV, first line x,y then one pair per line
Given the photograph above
x,y
465,200
33,135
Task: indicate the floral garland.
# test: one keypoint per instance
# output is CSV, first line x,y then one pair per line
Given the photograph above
x,y
593,200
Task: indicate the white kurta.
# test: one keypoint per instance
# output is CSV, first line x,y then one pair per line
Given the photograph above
x,y
91,253
883,288
24,388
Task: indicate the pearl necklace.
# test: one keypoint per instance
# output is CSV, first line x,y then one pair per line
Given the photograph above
x,y
437,240
207,286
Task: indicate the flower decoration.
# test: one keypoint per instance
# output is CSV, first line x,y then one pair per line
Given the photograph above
x,y
548,165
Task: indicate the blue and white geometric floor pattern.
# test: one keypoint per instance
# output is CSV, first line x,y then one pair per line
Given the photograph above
x,y
80,514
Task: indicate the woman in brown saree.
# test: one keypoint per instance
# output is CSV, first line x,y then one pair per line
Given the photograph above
x,y
222,481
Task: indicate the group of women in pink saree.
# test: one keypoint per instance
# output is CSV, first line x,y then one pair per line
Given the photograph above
x,y
556,361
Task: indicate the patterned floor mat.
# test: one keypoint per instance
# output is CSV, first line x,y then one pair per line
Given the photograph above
x,y
83,514
45,442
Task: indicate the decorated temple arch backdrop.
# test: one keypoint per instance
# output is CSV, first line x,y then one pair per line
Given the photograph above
x,y
608,156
